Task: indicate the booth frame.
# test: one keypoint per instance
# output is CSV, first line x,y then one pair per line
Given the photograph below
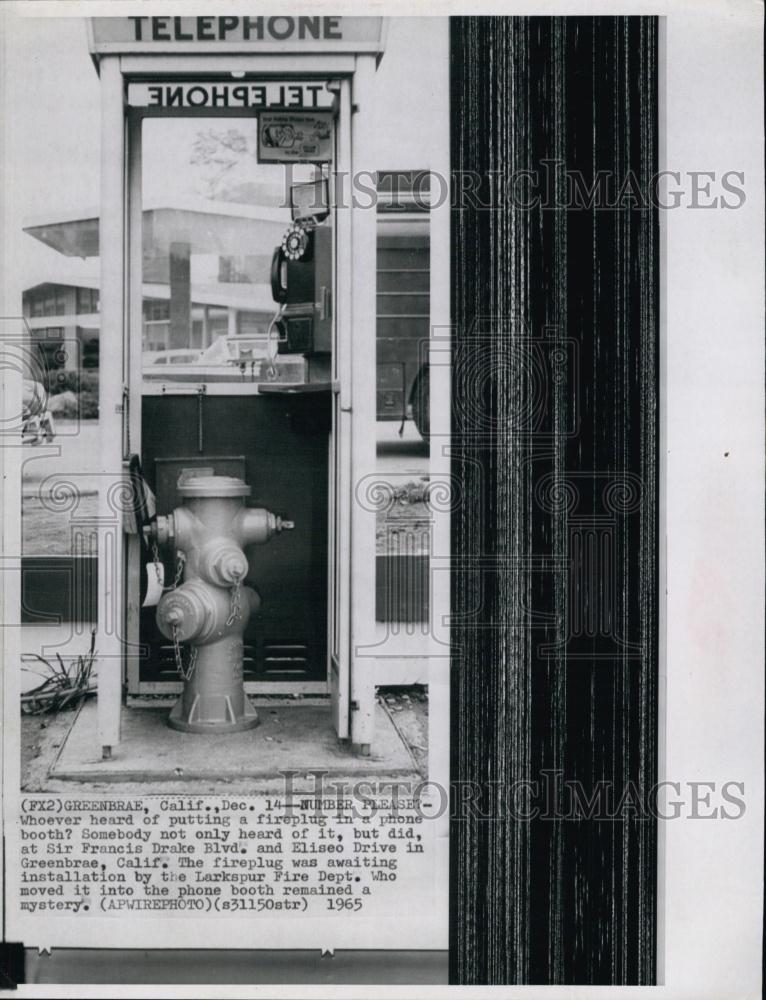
x,y
358,654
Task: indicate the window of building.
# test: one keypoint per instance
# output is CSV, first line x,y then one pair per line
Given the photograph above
x,y
51,302
156,309
87,301
89,349
50,345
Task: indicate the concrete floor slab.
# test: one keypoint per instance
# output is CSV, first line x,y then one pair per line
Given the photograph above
x,y
289,737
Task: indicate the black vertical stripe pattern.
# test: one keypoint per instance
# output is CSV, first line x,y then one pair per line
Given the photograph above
x,y
555,447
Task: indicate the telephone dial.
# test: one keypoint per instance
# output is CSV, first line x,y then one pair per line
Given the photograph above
x,y
295,242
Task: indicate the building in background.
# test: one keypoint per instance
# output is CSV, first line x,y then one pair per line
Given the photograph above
x,y
193,293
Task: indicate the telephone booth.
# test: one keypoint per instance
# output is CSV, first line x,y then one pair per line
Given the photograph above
x,y
246,275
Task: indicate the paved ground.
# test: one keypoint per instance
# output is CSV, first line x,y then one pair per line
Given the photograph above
x,y
48,531
405,454
290,735
42,738
59,487
73,452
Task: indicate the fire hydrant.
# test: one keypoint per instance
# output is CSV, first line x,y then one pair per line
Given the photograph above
x,y
211,608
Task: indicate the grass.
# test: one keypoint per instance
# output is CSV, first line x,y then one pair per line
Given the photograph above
x,y
61,686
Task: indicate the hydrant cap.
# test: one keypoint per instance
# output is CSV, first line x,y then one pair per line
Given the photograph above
x,y
214,487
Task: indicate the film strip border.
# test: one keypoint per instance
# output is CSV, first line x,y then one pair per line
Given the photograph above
x,y
555,438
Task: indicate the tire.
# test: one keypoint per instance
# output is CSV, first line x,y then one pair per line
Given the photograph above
x,y
48,428
421,404
33,431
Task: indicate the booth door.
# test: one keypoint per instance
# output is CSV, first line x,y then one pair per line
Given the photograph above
x,y
201,240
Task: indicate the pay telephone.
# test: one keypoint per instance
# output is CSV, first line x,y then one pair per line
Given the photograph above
x,y
301,283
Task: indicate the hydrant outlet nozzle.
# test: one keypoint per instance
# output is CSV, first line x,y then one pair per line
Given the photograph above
x,y
162,530
229,567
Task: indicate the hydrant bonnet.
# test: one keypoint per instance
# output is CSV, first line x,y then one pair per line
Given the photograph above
x,y
213,487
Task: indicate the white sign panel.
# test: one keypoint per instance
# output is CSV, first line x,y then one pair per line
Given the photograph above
x,y
291,138
236,34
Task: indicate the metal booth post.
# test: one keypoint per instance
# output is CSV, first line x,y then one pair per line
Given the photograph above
x,y
343,55
363,444
111,405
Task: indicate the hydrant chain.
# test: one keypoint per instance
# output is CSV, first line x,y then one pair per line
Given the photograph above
x,y
180,564
156,561
186,675
236,606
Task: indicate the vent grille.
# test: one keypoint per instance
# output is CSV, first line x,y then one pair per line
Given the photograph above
x,y
285,658
167,660
277,661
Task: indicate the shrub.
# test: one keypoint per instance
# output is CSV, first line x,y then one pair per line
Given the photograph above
x,y
83,385
89,405
73,380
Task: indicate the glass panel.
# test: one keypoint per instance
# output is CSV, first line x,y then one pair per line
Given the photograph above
x,y
403,517
212,216
60,473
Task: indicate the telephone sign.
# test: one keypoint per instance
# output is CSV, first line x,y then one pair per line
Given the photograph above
x,y
109,35
240,94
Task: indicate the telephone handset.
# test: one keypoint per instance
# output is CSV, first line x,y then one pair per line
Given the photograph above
x,y
143,505
297,245
142,513
279,276
142,508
